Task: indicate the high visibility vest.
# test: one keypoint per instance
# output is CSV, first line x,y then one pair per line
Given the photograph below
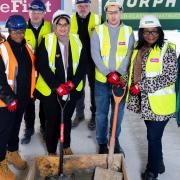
x,y
94,20
30,37
105,47
11,67
163,101
51,45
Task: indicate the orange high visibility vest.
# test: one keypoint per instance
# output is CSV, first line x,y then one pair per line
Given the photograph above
x,y
11,67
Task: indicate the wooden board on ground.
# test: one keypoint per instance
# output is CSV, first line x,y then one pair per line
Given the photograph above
x,y
79,164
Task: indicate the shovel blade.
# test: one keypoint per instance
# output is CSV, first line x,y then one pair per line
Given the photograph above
x,y
107,174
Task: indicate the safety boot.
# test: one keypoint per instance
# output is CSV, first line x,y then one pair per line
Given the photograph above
x,y
103,149
5,172
77,120
27,136
118,149
67,151
92,123
15,159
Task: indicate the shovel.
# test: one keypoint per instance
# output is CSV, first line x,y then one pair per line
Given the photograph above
x,y
109,174
61,175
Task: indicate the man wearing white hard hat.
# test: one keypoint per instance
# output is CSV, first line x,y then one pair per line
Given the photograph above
x,y
83,22
61,69
111,48
151,84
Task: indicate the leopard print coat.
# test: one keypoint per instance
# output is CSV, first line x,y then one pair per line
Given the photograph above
x,y
140,104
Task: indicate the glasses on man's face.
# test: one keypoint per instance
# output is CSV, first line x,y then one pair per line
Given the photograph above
x,y
18,32
63,25
112,12
153,33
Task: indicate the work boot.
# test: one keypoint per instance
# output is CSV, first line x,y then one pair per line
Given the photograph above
x,y
161,167
147,175
92,123
15,159
77,120
67,151
118,149
5,172
103,149
27,136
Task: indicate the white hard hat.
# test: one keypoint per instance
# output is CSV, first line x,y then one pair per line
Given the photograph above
x,y
149,21
58,14
113,3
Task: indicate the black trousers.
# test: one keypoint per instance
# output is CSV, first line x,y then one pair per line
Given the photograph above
x,y
80,103
10,123
53,116
154,136
29,115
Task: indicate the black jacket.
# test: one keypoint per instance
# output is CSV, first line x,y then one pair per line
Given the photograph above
x,y
54,80
23,78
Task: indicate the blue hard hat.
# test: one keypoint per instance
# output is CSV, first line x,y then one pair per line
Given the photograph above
x,y
37,5
83,1
16,22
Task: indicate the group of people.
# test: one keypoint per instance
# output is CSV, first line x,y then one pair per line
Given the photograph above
x,y
50,61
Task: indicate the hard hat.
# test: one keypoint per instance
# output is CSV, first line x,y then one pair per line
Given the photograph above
x,y
149,21
83,1
113,3
16,22
37,5
58,14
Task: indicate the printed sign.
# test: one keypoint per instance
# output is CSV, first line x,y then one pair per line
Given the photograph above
x,y
10,7
168,11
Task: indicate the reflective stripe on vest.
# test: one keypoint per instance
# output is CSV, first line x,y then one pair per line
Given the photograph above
x,y
94,20
105,46
30,37
51,45
11,67
163,101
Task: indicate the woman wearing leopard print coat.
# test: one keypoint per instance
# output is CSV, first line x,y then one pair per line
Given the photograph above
x,y
152,88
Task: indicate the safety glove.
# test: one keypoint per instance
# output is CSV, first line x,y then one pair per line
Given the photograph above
x,y
12,106
69,85
113,78
61,90
134,89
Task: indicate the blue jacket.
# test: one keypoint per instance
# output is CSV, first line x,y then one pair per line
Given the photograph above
x,y
178,94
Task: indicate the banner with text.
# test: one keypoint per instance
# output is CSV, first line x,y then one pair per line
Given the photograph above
x,y
10,7
168,12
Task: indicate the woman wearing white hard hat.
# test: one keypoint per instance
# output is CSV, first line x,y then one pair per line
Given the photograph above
x,y
61,67
152,88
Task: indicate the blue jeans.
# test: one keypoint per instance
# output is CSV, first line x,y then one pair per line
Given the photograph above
x,y
103,99
155,131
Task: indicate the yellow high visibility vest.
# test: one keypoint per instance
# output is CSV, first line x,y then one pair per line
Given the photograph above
x,y
163,101
94,20
105,46
30,37
11,67
51,45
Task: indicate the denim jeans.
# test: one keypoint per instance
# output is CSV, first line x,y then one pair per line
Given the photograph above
x,y
155,131
103,99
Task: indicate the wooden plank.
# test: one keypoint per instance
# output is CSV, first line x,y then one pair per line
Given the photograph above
x,y
107,174
48,165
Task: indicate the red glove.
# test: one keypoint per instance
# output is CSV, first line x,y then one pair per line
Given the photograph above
x,y
134,89
12,106
61,90
121,83
69,85
113,78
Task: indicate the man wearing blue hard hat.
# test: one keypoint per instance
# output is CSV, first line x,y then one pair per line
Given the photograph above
x,y
83,22
37,27
17,83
